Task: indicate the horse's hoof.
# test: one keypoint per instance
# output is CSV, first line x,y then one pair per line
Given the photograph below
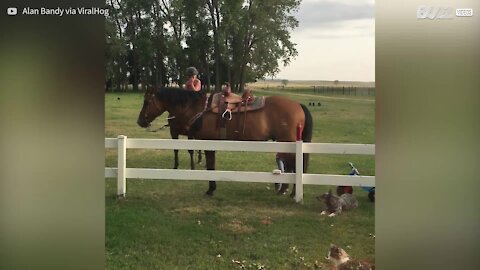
x,y
209,193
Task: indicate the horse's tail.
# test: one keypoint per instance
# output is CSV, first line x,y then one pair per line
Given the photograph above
x,y
307,134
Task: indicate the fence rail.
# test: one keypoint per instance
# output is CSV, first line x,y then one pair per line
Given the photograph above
x,y
299,148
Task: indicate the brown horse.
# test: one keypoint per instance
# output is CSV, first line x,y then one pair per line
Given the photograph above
x,y
278,120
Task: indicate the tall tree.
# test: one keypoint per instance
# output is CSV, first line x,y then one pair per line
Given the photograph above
x,y
266,38
198,41
215,20
173,12
158,43
153,41
116,46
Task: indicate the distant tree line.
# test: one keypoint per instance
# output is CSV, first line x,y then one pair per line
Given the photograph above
x,y
152,42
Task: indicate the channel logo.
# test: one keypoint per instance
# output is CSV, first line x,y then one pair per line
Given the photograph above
x,y
12,11
431,12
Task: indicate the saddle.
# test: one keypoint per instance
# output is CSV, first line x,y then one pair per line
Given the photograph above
x,y
228,104
235,103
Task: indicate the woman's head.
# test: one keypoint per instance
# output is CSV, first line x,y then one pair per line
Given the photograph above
x,y
191,71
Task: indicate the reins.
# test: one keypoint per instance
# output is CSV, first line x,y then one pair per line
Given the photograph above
x,y
164,126
189,123
200,114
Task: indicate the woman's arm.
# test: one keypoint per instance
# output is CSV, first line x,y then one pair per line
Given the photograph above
x,y
197,85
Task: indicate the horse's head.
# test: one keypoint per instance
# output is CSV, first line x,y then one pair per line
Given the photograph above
x,y
152,108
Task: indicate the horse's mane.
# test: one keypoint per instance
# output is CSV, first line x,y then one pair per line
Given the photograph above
x,y
178,96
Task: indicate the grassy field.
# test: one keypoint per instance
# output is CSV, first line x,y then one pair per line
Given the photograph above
x,y
165,224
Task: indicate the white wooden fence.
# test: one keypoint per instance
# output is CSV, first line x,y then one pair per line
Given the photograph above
x,y
299,178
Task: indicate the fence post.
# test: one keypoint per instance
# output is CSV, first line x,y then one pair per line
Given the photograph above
x,y
299,166
121,166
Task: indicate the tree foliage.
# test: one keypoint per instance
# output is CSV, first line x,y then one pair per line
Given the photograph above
x,y
235,41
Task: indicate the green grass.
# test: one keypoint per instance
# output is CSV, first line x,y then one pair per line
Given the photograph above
x,y
165,224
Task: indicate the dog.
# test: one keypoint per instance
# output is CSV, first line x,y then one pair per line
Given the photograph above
x,y
335,204
341,260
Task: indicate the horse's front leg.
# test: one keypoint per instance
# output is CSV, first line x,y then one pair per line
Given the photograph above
x,y
175,152
192,162
191,152
210,157
199,156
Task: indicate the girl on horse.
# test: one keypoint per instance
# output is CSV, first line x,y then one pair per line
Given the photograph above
x,y
193,83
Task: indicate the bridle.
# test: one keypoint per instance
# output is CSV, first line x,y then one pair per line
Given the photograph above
x,y
189,123
153,99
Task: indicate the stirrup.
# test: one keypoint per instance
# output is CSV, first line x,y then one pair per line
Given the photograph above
x,y
229,114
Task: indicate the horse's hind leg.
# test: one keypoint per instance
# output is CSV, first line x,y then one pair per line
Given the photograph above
x,y
210,157
212,186
292,195
283,189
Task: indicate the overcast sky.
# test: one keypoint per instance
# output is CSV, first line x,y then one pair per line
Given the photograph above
x,y
335,41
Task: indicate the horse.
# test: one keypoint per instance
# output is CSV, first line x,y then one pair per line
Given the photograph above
x,y
278,120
